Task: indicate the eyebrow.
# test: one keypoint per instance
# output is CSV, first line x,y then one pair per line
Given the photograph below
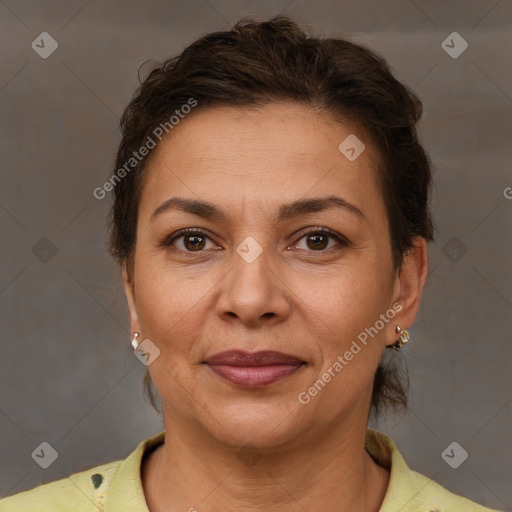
x,y
286,211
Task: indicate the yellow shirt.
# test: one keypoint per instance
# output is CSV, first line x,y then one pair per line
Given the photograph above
x,y
116,487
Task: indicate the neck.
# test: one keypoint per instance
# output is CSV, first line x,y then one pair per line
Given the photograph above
x,y
189,472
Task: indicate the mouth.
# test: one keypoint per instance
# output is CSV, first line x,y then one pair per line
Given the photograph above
x,y
254,370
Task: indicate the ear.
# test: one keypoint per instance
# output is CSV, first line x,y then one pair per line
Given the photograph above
x,y
129,290
409,285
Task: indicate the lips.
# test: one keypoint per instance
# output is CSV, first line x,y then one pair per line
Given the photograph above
x,y
253,370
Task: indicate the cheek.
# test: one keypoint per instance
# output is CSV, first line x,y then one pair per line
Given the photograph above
x,y
170,316
340,311
351,299
167,304
349,355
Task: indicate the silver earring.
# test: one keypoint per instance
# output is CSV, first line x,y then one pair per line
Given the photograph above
x,y
403,338
135,342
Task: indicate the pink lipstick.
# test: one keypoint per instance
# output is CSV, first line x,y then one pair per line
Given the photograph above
x,y
253,370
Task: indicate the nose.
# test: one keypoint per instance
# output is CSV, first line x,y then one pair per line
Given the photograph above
x,y
252,292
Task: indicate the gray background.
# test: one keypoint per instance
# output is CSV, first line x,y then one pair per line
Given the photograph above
x,y
68,375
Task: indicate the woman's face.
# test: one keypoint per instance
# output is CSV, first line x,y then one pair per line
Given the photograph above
x,y
253,279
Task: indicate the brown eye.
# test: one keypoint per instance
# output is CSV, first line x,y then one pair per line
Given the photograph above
x,y
194,242
317,239
188,240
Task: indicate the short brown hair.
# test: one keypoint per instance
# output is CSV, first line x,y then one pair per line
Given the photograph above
x,y
256,63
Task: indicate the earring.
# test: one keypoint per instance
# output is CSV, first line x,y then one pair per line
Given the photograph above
x,y
403,338
135,342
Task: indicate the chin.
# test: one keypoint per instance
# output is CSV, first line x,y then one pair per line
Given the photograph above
x,y
260,425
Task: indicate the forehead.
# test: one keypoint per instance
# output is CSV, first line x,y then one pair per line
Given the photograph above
x,y
289,130
273,153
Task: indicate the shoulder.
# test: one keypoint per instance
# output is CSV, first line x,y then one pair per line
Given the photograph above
x,y
429,496
409,491
113,486
83,491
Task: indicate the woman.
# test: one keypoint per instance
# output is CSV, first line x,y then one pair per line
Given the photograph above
x,y
271,220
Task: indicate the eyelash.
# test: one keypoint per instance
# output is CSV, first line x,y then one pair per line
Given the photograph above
x,y
344,242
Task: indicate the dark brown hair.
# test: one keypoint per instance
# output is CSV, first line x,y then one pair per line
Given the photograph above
x,y
256,63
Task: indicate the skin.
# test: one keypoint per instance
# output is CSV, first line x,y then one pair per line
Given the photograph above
x,y
295,298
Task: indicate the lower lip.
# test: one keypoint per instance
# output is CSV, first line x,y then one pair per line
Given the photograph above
x,y
255,376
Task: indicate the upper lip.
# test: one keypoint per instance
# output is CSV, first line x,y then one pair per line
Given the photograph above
x,y
262,358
